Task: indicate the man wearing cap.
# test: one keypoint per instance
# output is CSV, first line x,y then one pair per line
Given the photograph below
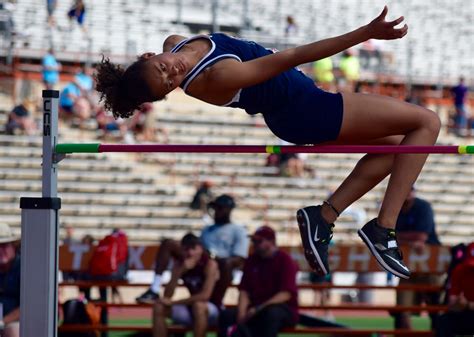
x,y
460,316
268,299
416,227
225,240
199,273
9,281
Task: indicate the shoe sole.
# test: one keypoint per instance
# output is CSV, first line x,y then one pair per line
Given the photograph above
x,y
377,256
312,257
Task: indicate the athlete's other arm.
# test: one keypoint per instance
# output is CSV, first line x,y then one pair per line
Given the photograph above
x,y
172,41
240,75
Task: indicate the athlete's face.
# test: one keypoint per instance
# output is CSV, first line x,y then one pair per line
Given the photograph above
x,y
164,72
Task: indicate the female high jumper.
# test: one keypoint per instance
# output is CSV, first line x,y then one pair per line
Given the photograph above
x,y
231,72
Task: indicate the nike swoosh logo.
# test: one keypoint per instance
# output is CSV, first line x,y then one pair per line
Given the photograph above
x,y
316,238
398,262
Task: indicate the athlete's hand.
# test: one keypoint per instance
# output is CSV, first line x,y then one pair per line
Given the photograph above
x,y
381,29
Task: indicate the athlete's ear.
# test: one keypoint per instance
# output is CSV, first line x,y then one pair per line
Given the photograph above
x,y
146,56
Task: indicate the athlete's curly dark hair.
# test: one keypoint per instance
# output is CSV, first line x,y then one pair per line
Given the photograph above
x,y
122,90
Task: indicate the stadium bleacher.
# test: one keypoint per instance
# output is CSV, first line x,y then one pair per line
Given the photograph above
x,y
122,28
156,188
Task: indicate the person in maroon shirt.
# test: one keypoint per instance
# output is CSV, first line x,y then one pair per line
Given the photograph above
x,y
268,299
199,273
460,316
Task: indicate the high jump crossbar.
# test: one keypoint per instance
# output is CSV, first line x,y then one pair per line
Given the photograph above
x,y
40,216
181,148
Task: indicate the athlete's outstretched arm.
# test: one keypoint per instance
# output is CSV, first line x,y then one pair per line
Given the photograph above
x,y
261,69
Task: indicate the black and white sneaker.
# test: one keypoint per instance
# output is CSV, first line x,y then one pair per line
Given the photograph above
x,y
148,297
316,234
382,242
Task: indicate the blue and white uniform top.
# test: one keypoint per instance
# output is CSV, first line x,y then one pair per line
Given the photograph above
x,y
294,109
276,93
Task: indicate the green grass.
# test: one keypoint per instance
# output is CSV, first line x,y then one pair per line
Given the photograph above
x,y
419,323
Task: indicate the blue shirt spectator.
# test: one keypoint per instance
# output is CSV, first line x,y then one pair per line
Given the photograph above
x,y
68,95
459,92
84,81
50,70
226,240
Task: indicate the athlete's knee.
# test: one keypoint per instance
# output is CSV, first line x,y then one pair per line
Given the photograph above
x,y
431,121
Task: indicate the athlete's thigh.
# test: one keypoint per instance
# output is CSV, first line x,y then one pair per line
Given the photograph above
x,y
389,140
369,117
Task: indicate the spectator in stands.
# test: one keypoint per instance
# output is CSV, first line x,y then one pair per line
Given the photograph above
x,y
371,56
291,28
111,126
224,239
416,227
460,316
84,79
51,7
297,111
461,118
10,281
268,299
323,73
350,68
77,13
20,119
73,106
291,165
69,240
199,273
202,197
88,240
51,68
144,126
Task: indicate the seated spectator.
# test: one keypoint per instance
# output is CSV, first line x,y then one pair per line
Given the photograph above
x,y
109,125
224,239
199,273
77,13
291,165
273,160
69,240
73,106
20,120
10,281
268,299
416,227
84,78
143,125
202,197
460,316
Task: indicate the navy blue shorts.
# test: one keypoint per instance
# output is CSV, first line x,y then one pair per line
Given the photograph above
x,y
314,116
